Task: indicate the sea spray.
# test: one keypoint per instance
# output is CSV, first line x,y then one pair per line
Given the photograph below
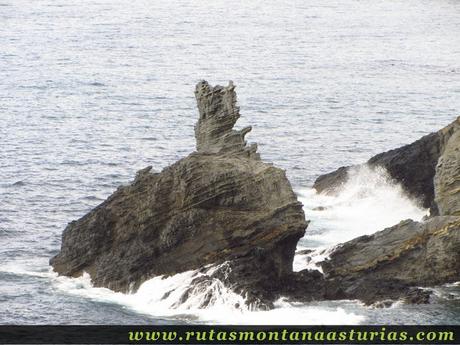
x,y
161,297
368,202
165,296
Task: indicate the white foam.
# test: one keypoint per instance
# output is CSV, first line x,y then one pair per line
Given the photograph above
x,y
448,291
370,201
311,260
226,307
163,296
37,269
286,312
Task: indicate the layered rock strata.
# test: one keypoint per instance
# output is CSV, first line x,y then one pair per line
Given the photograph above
x,y
219,204
224,212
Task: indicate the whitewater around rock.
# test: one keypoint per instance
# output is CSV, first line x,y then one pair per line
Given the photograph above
x,y
219,204
235,221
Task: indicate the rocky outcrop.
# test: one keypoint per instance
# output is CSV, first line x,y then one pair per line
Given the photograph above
x,y
447,178
413,166
219,204
231,217
392,262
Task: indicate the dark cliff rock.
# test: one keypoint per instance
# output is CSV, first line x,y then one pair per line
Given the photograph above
x,y
219,204
413,166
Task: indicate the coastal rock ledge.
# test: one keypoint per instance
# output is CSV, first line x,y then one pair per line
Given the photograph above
x,y
221,204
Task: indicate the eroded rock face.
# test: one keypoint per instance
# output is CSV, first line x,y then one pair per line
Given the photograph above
x,y
392,262
447,178
416,253
214,131
221,203
413,166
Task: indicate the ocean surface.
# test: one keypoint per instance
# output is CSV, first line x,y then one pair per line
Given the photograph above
x,y
92,91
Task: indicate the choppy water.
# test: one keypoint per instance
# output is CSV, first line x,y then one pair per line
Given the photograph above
x,y
91,92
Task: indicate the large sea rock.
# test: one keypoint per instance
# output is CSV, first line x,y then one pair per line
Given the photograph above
x,y
413,166
229,216
221,204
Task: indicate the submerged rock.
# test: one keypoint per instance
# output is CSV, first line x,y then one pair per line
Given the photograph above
x,y
219,204
413,166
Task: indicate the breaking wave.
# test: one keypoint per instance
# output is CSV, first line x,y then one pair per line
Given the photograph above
x,y
368,202
163,297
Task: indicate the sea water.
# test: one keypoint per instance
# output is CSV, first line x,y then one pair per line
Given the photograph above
x,y
93,91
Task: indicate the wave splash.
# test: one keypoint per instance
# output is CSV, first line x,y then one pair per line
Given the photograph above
x,y
368,202
163,297
181,296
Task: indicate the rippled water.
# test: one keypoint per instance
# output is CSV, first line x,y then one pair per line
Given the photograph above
x,y
91,92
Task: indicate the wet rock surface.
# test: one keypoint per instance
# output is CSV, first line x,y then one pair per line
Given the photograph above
x,y
219,204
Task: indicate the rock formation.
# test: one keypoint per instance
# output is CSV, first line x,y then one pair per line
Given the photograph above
x,y
390,264
447,178
413,166
219,204
214,131
224,212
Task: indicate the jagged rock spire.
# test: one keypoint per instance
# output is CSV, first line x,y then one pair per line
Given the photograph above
x,y
205,209
214,131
